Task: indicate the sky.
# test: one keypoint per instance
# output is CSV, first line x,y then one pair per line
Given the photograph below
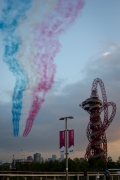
x,y
89,49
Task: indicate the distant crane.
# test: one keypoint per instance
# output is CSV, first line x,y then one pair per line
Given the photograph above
x,y
23,155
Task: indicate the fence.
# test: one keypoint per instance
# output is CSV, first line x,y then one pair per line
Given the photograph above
x,y
51,176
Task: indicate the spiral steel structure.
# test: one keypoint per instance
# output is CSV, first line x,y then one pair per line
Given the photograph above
x,y
97,147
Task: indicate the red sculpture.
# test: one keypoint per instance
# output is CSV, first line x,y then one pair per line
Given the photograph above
x,y
97,147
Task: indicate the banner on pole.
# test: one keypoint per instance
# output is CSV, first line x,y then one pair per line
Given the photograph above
x,y
71,141
62,141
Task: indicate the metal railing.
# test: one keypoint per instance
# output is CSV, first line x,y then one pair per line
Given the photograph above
x,y
20,175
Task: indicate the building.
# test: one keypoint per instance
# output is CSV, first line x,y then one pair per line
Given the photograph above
x,y
37,157
54,157
61,157
109,158
41,159
6,164
29,159
49,159
18,160
81,159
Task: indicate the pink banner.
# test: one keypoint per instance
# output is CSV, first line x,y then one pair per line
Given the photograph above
x,y
62,142
71,141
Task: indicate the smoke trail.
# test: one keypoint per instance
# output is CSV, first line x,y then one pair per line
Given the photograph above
x,y
27,51
10,18
47,46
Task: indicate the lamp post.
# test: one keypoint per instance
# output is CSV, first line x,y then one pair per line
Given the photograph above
x,y
66,141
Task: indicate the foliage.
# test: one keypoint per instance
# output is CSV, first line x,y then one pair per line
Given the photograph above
x,y
4,168
92,165
96,164
54,166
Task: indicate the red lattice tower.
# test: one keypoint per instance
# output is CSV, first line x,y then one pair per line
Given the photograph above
x,y
97,147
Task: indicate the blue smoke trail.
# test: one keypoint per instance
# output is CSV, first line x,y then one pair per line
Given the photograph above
x,y
11,16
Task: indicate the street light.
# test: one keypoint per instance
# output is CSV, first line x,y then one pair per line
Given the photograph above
x,y
66,141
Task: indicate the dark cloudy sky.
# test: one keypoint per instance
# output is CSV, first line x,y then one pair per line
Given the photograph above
x,y
89,49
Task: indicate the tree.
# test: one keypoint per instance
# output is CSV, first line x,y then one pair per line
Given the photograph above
x,y
92,164
100,165
118,161
83,165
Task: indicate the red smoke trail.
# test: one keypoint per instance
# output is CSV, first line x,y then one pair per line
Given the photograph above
x,y
47,46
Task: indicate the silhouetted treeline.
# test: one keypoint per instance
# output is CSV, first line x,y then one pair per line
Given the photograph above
x,y
74,165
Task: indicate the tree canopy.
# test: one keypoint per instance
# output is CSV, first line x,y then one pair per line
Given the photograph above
x,y
92,165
